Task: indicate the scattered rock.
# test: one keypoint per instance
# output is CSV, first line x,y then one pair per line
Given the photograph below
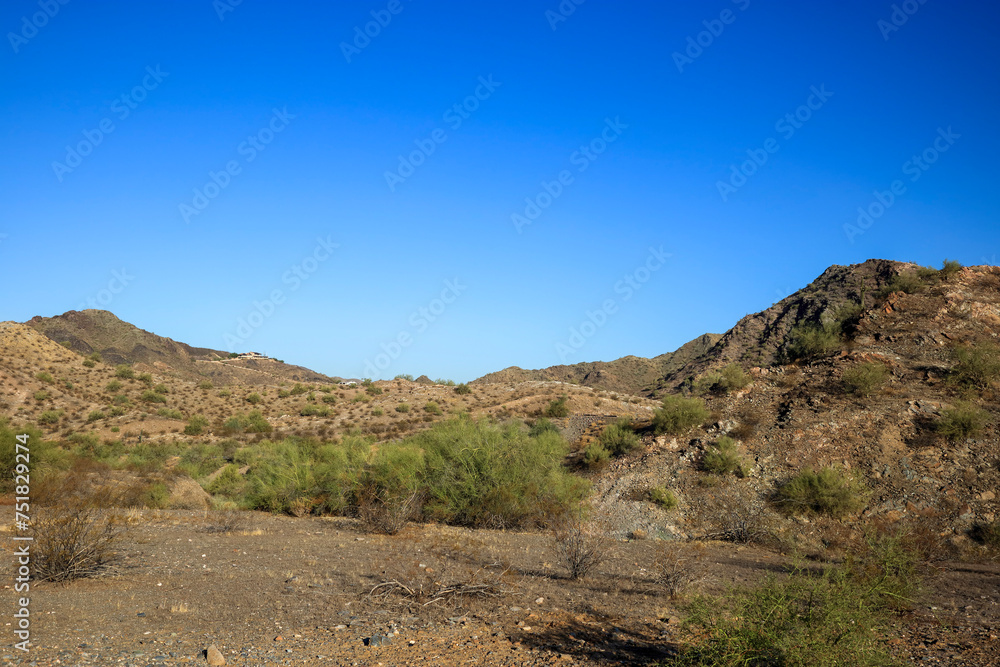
x,y
213,656
378,640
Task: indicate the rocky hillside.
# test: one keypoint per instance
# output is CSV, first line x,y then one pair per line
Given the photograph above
x,y
119,342
630,375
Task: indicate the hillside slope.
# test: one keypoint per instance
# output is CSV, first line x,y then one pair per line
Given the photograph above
x,y
119,342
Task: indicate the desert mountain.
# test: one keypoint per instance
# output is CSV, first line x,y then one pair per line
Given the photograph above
x,y
119,342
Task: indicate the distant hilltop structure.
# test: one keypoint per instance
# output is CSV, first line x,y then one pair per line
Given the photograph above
x,y
256,356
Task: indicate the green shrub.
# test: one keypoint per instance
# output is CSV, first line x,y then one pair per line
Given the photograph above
x,y
909,282
195,425
205,384
50,417
976,366
558,408
95,415
44,455
150,396
403,407
330,399
41,395
595,455
122,399
156,496
112,386
373,390
447,383
161,389
480,473
89,363
284,393
224,393
722,458
733,378
170,414
254,422
124,372
865,378
619,438
117,411
145,378
253,398
360,398
298,389
94,356
663,497
463,389
542,426
678,414
810,341
44,377
948,269
404,376
432,408
377,412
828,491
313,410
149,457
963,420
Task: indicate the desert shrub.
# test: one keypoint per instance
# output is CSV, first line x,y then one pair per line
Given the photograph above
x,y
735,512
987,534
810,341
124,372
151,396
227,521
558,408
722,458
298,389
145,378
976,366
161,389
44,457
835,617
678,414
909,282
156,496
224,393
463,389
149,457
313,410
170,413
94,356
195,425
116,411
579,545
948,269
95,415
663,497
360,398
432,408
75,537
540,426
122,399
113,386
284,393
330,399
595,454
676,568
731,378
480,473
45,377
41,395
377,412
373,390
963,420
391,488
619,438
253,398
228,483
89,363
254,422
202,459
403,407
827,491
403,376
50,417
205,384
445,382
865,378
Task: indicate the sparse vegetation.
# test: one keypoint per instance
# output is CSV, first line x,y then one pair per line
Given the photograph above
x,y
112,386
45,377
962,420
463,389
254,422
663,497
678,414
253,398
976,366
124,372
811,341
595,454
828,491
865,379
150,396
432,408
196,425
619,438
313,410
558,408
403,408
580,546
722,458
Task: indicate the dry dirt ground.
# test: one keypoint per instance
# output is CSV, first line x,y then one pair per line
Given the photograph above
x,y
318,591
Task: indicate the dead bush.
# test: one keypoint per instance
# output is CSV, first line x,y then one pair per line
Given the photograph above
x,y
580,545
736,513
384,512
676,568
226,521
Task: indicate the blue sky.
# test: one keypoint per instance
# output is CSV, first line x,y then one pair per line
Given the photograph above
x,y
477,185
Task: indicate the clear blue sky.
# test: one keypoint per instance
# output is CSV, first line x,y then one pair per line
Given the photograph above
x,y
309,129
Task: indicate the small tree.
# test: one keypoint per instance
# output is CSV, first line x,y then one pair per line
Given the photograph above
x,y
558,408
678,414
